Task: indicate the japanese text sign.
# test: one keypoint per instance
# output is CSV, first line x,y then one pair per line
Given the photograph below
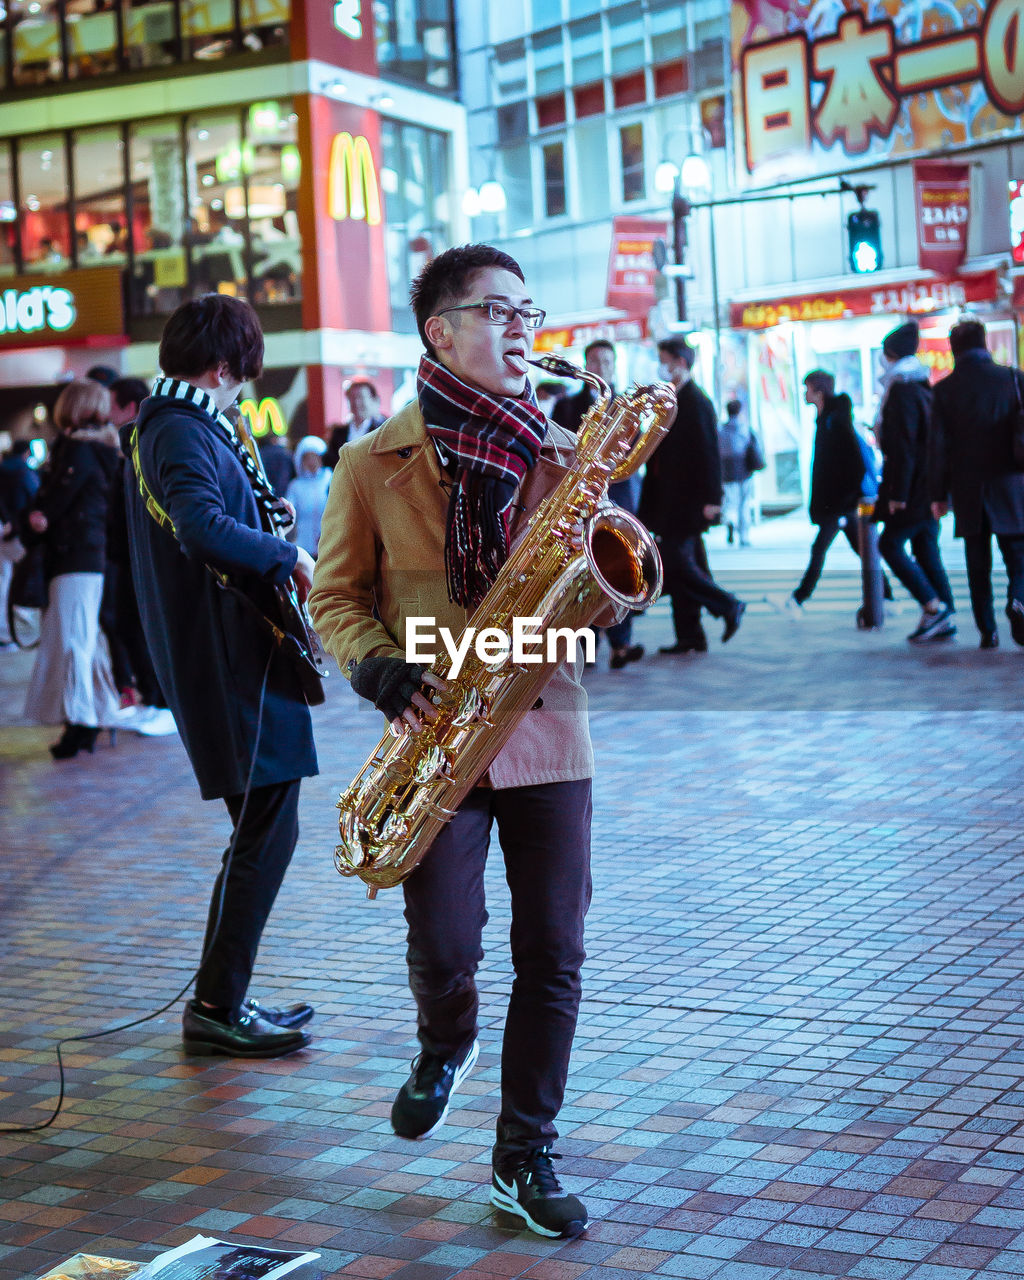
x,y
631,268
942,195
879,78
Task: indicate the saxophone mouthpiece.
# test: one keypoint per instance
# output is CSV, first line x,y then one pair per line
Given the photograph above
x,y
556,365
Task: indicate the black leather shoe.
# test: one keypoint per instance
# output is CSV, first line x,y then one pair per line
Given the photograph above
x,y
295,1016
623,657
692,644
248,1036
989,640
733,620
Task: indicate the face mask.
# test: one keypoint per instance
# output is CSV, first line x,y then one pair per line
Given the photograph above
x,y
663,374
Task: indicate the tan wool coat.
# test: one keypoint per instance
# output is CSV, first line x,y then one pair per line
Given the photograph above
x,y
381,560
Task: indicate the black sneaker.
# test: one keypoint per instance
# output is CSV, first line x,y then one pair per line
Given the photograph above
x,y
1015,612
934,626
422,1102
527,1187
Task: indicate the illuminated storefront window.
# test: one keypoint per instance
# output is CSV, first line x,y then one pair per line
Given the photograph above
x,y
8,214
36,41
101,226
92,39
43,188
159,215
219,168
273,193
151,37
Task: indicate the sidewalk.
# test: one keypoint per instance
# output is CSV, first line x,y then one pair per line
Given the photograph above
x,y
799,1051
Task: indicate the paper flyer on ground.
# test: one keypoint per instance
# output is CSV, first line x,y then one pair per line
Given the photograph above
x,y
205,1258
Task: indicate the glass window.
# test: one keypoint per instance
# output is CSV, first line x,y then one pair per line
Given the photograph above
x,y
150,32
517,179
631,152
554,179
43,187
546,13
275,268
510,69
8,214
548,66
587,51
207,28
264,23
414,180
157,180
101,227
626,37
37,57
91,38
668,34
414,41
220,170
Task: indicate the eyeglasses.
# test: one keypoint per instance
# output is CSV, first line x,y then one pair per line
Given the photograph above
x,y
503,312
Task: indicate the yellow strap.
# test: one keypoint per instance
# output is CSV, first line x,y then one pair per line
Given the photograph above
x,y
152,506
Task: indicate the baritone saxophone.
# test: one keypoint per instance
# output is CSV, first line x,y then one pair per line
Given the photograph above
x,y
412,784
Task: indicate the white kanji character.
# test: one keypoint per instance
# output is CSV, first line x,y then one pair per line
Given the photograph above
x,y
857,102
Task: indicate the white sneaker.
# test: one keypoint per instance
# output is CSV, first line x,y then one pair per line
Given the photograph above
x,y
153,722
794,608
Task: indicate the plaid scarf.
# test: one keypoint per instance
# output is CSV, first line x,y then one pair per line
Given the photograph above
x,y
493,443
265,496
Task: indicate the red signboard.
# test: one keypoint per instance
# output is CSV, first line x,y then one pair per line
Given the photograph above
x,y
942,195
61,308
340,32
579,335
916,297
631,269
1017,220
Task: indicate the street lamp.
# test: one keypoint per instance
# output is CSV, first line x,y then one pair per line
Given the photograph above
x,y
489,197
694,177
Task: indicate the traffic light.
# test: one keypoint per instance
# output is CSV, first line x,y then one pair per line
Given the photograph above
x,y
865,232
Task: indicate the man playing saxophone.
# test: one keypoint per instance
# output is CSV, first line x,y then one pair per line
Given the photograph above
x,y
420,517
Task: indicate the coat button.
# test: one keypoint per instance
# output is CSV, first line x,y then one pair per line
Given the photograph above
x,y
405,453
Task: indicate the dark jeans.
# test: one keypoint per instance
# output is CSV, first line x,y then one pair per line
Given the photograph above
x,y
926,579
978,554
689,583
266,841
544,832
828,531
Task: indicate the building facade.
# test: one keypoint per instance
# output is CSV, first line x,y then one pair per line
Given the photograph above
x,y
297,153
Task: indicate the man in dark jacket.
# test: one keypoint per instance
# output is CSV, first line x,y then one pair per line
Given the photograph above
x,y
364,401
236,699
902,500
970,464
681,498
837,470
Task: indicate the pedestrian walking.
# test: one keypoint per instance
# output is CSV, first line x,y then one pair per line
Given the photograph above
x,y
278,462
72,680
364,402
681,498
903,502
192,487
19,484
308,491
736,443
837,477
971,466
434,500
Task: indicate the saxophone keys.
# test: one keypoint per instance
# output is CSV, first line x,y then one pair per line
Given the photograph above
x,y
434,764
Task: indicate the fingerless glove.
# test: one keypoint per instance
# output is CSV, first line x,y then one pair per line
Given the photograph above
x,y
388,683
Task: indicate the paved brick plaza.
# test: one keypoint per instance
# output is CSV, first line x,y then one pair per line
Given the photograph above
x,y
799,1053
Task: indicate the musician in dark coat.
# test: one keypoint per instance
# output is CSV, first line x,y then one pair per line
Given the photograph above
x,y
235,697
681,499
970,465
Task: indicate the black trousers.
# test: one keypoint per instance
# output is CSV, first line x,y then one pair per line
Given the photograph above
x,y
923,576
978,554
544,833
689,583
267,834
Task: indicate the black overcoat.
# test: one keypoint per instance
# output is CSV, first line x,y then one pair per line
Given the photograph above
x,y
903,439
684,475
837,468
73,497
969,457
208,650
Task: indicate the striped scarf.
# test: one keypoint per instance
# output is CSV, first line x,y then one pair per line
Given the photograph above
x,y
266,498
494,442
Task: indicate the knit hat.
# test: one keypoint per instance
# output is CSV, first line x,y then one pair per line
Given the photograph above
x,y
902,342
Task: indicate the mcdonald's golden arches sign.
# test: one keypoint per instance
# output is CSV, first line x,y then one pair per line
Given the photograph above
x,y
352,190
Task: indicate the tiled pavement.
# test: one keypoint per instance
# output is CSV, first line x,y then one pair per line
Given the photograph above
x,y
799,1053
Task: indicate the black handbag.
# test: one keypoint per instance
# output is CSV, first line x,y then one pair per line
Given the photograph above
x,y
754,455
1017,426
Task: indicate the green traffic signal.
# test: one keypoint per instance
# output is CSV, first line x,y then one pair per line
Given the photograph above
x,y
865,232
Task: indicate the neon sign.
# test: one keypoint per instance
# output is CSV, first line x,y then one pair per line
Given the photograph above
x,y
42,307
352,190
264,418
347,19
